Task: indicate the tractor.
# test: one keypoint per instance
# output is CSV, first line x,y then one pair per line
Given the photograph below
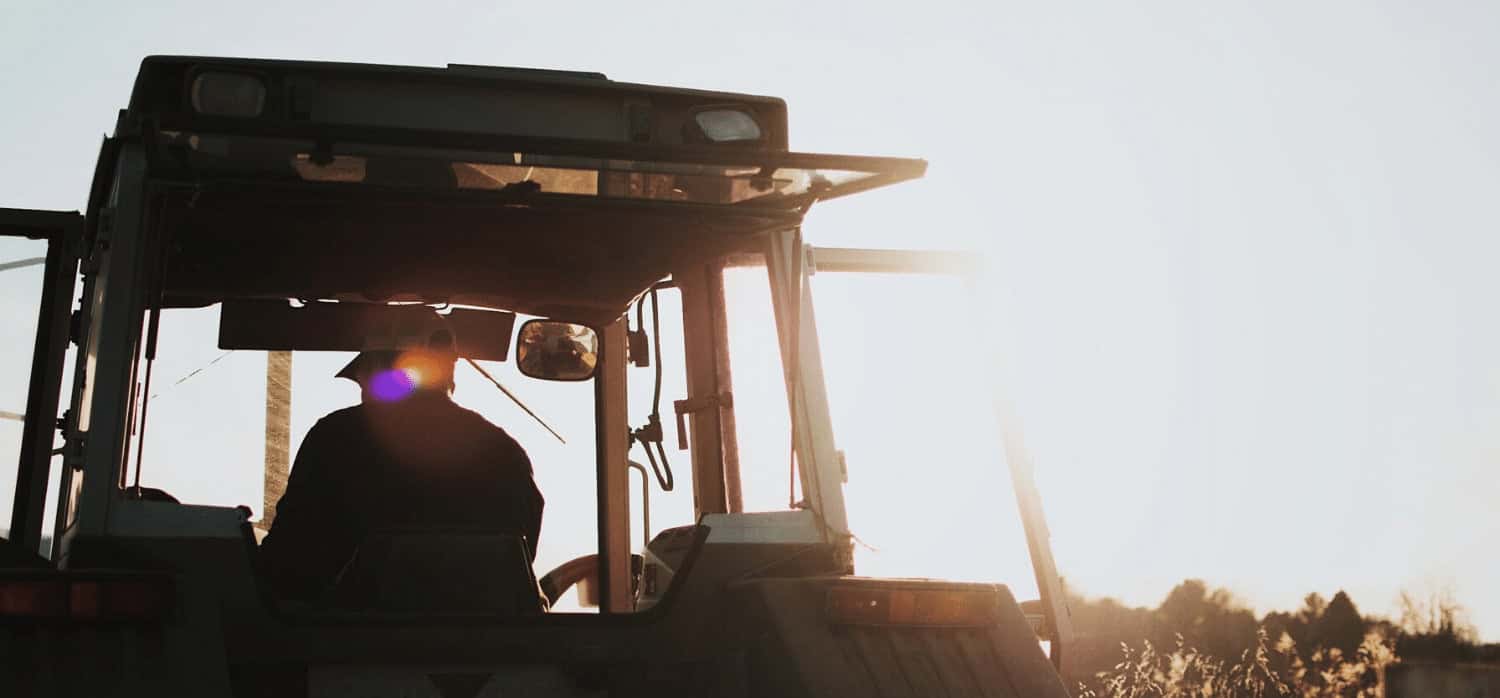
x,y
543,219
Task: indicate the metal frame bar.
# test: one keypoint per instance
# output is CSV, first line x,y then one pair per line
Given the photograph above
x,y
875,261
704,425
39,225
729,440
109,366
1038,538
820,473
613,471
884,170
62,230
906,168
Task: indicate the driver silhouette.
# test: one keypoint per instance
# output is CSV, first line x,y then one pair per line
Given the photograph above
x,y
407,455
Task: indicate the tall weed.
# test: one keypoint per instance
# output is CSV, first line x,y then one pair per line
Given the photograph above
x,y
1265,670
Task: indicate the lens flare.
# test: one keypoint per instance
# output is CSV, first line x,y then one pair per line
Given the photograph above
x,y
392,385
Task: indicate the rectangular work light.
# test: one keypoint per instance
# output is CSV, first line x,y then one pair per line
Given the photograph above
x,y
218,93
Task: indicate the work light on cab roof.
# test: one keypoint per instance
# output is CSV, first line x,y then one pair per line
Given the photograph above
x,y
228,94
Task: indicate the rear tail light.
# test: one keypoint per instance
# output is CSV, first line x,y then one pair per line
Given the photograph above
x,y
921,607
64,596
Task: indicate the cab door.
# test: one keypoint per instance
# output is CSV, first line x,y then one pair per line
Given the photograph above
x,y
38,271
929,331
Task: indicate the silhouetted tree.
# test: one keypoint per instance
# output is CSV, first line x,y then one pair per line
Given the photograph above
x,y
1312,608
1211,621
1214,623
1339,625
1292,625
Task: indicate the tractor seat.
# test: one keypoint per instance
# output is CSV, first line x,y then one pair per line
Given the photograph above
x,y
441,571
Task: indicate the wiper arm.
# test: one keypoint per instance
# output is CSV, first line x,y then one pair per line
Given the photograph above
x,y
515,399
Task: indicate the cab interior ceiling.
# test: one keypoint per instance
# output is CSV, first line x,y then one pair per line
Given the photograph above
x,y
570,258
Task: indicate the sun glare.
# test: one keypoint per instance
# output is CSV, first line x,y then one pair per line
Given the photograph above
x,y
393,385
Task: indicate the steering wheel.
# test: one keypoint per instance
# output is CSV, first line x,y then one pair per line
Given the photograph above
x,y
563,577
581,570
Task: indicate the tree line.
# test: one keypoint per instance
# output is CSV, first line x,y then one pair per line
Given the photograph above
x,y
1322,636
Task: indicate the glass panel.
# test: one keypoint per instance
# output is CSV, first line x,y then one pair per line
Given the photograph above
x,y
21,277
205,416
564,473
557,180
907,374
673,508
762,418
762,422
206,436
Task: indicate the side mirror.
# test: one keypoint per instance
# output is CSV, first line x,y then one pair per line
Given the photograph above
x,y
557,351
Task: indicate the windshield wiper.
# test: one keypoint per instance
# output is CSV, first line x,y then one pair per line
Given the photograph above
x,y
515,399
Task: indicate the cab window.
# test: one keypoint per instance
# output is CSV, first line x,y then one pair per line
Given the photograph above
x,y
912,426
21,288
206,413
20,293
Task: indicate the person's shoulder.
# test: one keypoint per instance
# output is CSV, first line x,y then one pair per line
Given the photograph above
x,y
329,435
474,420
478,423
352,414
338,422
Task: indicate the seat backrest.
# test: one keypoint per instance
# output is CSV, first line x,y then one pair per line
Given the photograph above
x,y
441,571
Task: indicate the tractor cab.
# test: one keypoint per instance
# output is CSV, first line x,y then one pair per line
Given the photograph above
x,y
579,243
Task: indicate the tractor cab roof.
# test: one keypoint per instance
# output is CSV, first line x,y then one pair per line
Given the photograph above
x,y
553,193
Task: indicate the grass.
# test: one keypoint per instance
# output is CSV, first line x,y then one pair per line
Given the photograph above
x,y
1267,669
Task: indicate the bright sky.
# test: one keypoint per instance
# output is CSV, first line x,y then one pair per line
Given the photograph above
x,y
1241,258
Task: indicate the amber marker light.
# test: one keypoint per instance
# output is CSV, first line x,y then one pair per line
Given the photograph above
x,y
919,607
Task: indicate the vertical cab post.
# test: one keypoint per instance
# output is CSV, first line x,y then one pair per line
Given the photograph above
x,y
613,439
108,355
710,494
728,434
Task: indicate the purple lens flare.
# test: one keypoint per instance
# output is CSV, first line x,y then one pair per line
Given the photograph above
x,y
392,385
